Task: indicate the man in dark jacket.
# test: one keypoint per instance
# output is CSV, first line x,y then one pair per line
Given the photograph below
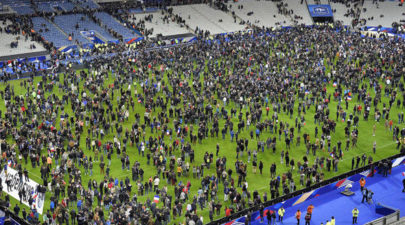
x,y
307,219
365,194
269,216
403,184
261,213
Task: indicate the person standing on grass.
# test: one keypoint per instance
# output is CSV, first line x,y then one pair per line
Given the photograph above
x,y
374,128
282,156
355,213
352,163
357,162
374,146
261,167
102,164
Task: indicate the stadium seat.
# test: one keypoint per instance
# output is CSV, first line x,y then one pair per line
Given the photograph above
x,y
113,24
50,32
68,24
159,27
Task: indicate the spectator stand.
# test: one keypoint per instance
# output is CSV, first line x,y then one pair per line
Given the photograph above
x,y
5,9
15,44
299,12
259,13
201,17
21,7
110,23
381,13
74,24
343,12
87,4
54,6
159,26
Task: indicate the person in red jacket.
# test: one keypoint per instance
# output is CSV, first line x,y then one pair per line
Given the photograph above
x,y
362,183
298,216
310,209
227,211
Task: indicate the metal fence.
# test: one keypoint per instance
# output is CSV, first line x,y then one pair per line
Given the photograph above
x,y
388,219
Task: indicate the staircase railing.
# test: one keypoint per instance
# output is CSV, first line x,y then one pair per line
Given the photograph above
x,y
388,219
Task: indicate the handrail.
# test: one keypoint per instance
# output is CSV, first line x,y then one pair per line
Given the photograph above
x,y
300,192
383,220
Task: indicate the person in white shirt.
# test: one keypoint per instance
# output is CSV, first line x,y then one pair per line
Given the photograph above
x,y
156,182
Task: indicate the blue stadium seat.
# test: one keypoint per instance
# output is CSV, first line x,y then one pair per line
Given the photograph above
x,y
68,24
113,24
22,7
88,4
53,35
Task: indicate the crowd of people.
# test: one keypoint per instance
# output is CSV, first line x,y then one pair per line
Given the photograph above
x,y
68,139
75,127
22,25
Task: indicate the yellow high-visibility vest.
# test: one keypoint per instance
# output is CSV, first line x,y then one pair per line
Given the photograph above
x,y
281,211
355,212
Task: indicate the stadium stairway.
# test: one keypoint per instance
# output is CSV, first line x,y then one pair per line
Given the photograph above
x,y
111,23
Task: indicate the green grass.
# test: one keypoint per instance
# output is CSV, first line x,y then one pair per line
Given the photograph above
x,y
385,145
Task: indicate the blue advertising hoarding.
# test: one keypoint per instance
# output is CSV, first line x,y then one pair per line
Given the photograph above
x,y
320,10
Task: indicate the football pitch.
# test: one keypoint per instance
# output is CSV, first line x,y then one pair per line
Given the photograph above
x,y
385,145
